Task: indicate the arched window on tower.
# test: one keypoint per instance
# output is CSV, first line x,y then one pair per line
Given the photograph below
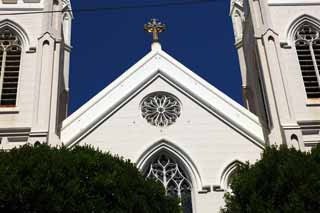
x,y
307,43
10,56
174,179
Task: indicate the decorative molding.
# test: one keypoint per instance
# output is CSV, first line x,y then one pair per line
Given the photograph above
x,y
293,2
288,40
9,1
66,3
217,188
164,146
238,2
205,189
268,32
166,170
20,139
66,6
9,110
237,13
238,44
21,5
160,109
15,131
23,35
159,64
227,174
31,1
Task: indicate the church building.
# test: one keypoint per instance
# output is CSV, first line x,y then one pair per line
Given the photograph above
x,y
175,126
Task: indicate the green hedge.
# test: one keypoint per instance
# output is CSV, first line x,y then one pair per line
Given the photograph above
x,y
283,181
45,179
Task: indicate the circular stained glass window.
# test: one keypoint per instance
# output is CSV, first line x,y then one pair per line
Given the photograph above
x,y
161,109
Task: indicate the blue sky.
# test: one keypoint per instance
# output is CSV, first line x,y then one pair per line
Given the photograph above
x,y
106,44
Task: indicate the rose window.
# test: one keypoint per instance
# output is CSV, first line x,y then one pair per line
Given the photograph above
x,y
161,109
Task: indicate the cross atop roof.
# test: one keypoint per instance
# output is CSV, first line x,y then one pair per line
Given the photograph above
x,y
155,27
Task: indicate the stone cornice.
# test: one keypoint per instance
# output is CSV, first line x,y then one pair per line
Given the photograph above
x,y
293,2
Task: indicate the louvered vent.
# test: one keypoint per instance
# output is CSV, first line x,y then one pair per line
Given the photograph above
x,y
308,50
10,56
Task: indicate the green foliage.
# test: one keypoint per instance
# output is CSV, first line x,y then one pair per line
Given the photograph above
x,y
45,179
284,180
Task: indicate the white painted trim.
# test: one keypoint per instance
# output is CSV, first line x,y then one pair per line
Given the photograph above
x,y
22,6
176,152
8,8
9,110
235,4
182,159
293,26
74,116
157,62
23,35
292,2
227,171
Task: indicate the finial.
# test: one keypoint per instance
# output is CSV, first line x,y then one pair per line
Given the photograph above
x,y
155,27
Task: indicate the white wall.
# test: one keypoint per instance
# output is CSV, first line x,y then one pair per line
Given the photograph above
x,y
208,142
40,83
267,43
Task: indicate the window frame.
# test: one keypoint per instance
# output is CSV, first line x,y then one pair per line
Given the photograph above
x,y
146,172
11,108
310,45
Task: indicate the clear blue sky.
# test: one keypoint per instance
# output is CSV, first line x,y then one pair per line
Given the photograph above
x,y
106,44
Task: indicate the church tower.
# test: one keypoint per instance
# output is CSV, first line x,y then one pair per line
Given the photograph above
x,y
34,66
278,43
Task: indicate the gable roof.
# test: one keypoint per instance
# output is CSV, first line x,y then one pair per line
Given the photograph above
x,y
159,63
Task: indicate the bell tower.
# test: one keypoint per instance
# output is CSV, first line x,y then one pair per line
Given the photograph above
x,y
34,67
278,46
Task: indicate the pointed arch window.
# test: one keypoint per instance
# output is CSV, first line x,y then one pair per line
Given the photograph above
x,y
307,43
173,178
10,57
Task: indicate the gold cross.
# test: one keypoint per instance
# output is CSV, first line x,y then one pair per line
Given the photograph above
x,y
155,27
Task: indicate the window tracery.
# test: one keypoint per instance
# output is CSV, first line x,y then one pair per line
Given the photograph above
x,y
173,178
161,109
10,56
308,49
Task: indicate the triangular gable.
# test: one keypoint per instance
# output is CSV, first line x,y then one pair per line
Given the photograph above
x,y
157,62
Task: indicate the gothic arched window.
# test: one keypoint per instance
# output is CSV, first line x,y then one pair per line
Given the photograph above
x,y
229,181
10,56
173,178
307,43
228,175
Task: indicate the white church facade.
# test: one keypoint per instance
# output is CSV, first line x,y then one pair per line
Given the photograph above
x,y
175,126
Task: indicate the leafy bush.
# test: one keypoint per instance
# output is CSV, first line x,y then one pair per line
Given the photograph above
x,y
284,180
45,179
